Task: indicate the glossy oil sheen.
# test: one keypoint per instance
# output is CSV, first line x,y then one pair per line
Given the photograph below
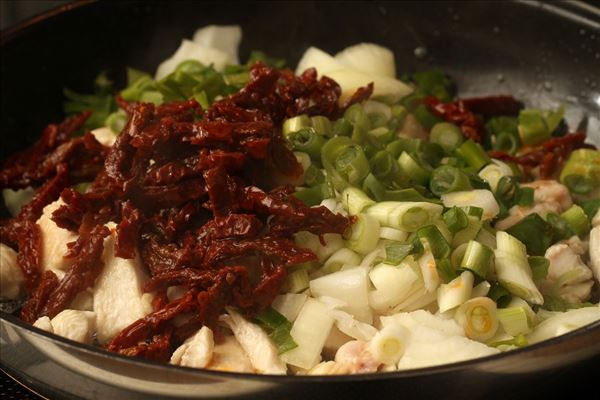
x,y
542,53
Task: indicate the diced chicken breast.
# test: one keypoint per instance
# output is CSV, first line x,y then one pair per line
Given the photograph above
x,y
105,136
596,219
118,296
11,276
84,301
568,277
44,323
196,351
549,196
355,357
54,242
229,356
595,251
75,325
256,343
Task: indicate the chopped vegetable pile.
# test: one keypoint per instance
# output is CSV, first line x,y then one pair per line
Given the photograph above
x,y
335,220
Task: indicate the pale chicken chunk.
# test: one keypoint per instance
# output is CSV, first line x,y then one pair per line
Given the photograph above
x,y
105,136
549,196
11,276
196,351
568,276
229,356
595,251
256,343
75,325
355,357
54,242
44,323
118,296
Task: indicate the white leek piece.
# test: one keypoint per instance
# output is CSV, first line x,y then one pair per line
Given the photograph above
x,y
389,344
478,317
307,240
289,304
481,290
226,38
309,331
350,286
428,267
11,275
317,58
340,258
455,292
407,216
493,172
386,89
561,323
519,302
189,50
392,284
468,233
481,198
392,234
350,326
370,58
376,107
512,268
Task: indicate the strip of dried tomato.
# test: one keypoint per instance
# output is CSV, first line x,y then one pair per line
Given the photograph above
x,y
29,241
82,274
128,231
490,106
33,307
457,113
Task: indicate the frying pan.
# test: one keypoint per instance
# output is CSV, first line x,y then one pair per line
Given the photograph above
x,y
543,53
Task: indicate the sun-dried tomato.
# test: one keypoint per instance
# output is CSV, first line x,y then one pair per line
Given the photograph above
x,y
491,106
549,156
34,305
29,242
86,267
457,113
128,231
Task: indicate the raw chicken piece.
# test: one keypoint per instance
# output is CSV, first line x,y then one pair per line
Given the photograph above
x,y
196,351
256,343
595,251
54,242
75,325
549,196
44,323
229,356
355,357
568,277
118,296
11,276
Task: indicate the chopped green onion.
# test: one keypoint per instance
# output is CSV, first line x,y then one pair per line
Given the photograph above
x,y
534,232
355,200
380,136
445,269
447,135
539,267
307,141
357,115
395,253
524,196
435,240
532,127
311,196
512,268
477,258
581,172
344,161
517,341
514,320
313,176
481,198
295,124
499,294
506,189
468,233
591,208
579,184
473,154
478,316
577,220
385,168
342,127
458,254
455,219
407,216
364,234
116,121
278,328
506,142
322,125
473,211
560,229
415,172
273,62
447,179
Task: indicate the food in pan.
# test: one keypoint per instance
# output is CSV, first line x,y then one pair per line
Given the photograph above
x,y
335,220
